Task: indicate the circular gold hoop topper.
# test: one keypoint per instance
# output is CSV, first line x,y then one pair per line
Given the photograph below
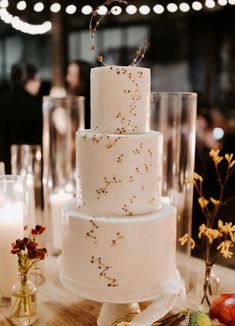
x,y
93,27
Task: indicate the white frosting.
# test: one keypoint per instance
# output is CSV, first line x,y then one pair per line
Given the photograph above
x,y
119,174
135,254
120,99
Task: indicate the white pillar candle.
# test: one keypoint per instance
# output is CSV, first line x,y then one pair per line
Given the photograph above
x,y
56,203
11,228
31,211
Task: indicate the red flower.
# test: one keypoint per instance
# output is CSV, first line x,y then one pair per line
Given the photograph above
x,y
39,229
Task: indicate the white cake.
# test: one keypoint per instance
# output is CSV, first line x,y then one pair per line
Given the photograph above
x,y
118,238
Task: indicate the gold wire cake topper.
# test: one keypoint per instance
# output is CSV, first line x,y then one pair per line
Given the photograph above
x,y
93,27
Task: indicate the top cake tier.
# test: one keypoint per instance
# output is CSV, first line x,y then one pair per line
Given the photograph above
x,y
120,99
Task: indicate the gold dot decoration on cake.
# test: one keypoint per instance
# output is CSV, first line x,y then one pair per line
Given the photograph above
x,y
91,234
127,121
148,165
152,201
120,159
139,149
112,282
116,239
104,190
111,144
96,139
93,28
133,176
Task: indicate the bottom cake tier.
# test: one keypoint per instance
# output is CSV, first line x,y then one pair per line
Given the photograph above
x,y
118,259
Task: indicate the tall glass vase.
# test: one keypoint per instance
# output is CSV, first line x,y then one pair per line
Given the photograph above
x,y
174,114
26,161
12,216
62,117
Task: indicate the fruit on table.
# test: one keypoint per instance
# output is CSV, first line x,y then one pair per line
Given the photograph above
x,y
223,309
199,318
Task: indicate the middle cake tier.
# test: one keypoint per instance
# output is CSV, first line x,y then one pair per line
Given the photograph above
x,y
119,174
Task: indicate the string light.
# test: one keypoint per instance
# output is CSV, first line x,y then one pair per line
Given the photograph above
x,y
184,7
144,10
210,4
70,9
158,9
231,2
196,5
172,7
4,3
86,10
21,5
55,7
22,26
131,9
116,10
222,2
38,7
102,10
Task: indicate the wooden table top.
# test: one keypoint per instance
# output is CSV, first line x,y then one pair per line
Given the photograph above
x,y
58,307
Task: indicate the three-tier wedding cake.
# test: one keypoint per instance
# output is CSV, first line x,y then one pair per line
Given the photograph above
x,y
118,237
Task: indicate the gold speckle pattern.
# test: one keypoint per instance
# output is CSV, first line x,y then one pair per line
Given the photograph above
x,y
132,177
104,190
152,201
112,282
91,234
117,238
120,159
138,150
148,165
133,96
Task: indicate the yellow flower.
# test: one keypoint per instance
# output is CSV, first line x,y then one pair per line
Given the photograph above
x,y
183,240
227,228
197,176
214,154
214,201
211,234
202,230
229,159
224,249
203,202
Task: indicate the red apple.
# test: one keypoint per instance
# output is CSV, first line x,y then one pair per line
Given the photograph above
x,y
223,309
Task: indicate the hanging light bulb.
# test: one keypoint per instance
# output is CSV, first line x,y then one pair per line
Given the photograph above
x,y
55,7
196,5
184,7
158,9
38,7
21,5
172,7
131,9
70,9
144,10
116,10
86,10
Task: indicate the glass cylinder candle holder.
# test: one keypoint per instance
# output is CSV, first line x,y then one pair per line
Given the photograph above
x,y
12,215
2,168
62,117
26,161
174,114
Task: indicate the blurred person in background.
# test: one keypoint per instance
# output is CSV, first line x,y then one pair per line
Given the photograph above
x,y
21,111
78,83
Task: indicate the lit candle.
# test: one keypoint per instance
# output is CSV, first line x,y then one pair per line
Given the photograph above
x,y
11,228
56,203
